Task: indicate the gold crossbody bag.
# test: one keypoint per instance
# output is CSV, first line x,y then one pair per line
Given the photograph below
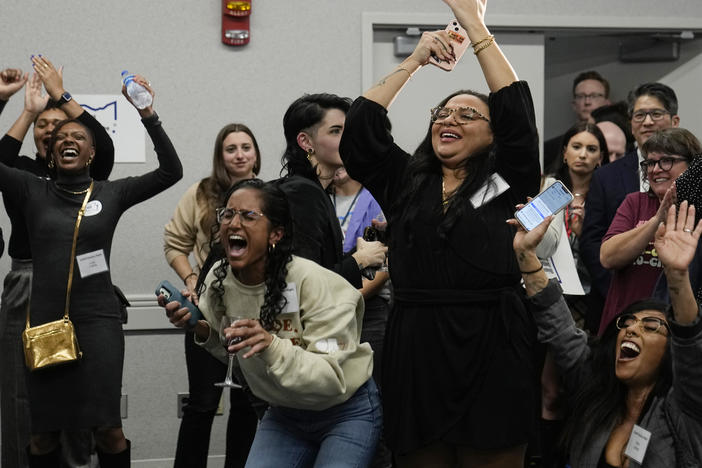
x,y
55,343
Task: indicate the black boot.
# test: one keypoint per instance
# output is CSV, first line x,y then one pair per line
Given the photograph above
x,y
116,460
48,460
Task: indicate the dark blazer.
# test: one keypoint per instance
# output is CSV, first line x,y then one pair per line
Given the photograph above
x,y
609,186
317,235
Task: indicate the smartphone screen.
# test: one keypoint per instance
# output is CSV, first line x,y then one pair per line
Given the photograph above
x,y
547,203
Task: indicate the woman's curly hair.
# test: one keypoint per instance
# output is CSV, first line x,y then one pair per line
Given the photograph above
x,y
275,207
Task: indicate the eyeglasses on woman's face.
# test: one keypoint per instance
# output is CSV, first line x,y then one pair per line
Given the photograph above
x,y
665,163
246,217
462,115
646,324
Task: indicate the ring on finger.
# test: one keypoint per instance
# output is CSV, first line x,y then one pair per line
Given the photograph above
x,y
688,230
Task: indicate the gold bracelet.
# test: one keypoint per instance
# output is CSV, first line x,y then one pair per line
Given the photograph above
x,y
489,36
483,47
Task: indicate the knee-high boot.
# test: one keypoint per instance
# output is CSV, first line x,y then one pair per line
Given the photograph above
x,y
48,460
116,460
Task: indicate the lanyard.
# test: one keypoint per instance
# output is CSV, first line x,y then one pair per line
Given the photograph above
x,y
348,211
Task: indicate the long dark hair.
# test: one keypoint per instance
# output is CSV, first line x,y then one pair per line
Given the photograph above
x,y
424,165
275,207
601,396
561,168
304,114
211,189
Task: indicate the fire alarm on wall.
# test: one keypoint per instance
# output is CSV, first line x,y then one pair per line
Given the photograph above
x,y
235,22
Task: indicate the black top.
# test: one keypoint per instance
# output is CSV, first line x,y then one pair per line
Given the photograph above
x,y
458,326
317,235
100,169
478,253
51,213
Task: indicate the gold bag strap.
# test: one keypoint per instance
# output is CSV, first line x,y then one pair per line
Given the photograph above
x,y
73,254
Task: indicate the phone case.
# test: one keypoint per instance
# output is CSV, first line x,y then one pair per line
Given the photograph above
x,y
171,293
459,42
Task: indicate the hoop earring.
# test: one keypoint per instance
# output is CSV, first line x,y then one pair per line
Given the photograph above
x,y
310,153
271,248
87,164
51,163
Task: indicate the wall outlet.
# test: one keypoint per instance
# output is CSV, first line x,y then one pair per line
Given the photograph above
x,y
182,400
123,406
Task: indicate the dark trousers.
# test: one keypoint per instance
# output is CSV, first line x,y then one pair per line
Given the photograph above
x,y
204,371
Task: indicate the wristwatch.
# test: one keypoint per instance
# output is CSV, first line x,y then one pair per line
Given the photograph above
x,y
65,97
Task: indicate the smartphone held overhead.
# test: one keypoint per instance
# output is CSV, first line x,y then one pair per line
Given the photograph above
x,y
547,203
459,42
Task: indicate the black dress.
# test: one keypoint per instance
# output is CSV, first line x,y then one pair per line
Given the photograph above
x,y
85,394
458,357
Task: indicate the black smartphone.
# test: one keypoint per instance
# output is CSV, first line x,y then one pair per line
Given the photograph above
x,y
171,293
371,233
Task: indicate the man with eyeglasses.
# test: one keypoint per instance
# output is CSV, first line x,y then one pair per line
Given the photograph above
x,y
652,107
590,91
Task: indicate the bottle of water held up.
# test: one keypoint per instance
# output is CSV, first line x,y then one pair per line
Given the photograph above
x,y
139,95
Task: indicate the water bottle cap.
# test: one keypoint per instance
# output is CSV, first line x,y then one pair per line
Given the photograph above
x,y
124,72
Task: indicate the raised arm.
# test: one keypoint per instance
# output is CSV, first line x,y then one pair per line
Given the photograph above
x,y
52,79
471,15
11,81
34,102
621,249
676,242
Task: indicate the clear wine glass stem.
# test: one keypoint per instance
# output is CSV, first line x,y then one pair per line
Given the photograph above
x,y
228,380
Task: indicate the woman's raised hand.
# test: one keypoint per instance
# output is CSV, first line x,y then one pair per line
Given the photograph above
x,y
676,240
11,80
146,84
34,98
527,241
469,13
433,43
49,75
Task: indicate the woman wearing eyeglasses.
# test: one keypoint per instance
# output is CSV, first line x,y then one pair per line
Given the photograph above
x,y
190,230
458,326
636,392
627,248
298,346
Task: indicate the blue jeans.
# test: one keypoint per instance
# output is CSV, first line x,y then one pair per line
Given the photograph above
x,y
344,435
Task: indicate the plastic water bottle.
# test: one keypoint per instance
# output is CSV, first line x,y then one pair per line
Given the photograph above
x,y
139,95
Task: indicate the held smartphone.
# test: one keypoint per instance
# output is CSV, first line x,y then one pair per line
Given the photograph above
x,y
459,42
547,203
171,293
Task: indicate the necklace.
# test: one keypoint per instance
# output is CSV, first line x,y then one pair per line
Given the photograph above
x,y
79,192
445,197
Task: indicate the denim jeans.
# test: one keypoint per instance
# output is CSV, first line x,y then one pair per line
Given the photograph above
x,y
344,435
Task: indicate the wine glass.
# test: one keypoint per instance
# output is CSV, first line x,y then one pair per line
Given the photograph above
x,y
227,322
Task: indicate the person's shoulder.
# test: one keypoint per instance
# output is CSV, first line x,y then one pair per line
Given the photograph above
x,y
625,163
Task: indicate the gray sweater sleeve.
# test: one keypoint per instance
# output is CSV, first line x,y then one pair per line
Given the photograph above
x,y
556,328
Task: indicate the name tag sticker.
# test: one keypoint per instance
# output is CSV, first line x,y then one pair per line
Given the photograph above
x,y
638,443
92,263
290,293
329,345
491,189
93,208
